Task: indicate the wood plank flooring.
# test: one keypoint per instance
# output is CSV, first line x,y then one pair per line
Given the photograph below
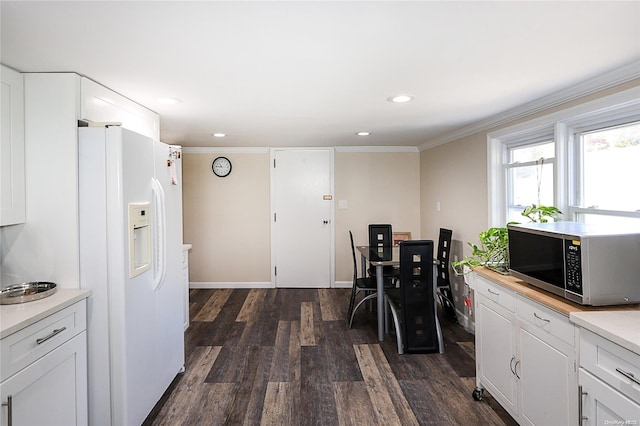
x,y
286,357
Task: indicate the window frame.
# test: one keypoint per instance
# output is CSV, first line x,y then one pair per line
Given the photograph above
x,y
563,126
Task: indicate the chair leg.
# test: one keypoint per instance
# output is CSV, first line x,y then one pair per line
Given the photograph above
x,y
352,301
394,313
364,299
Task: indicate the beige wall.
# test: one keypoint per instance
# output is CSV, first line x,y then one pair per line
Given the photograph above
x,y
222,215
379,187
227,219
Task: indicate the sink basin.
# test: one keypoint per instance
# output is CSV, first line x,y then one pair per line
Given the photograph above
x,y
26,292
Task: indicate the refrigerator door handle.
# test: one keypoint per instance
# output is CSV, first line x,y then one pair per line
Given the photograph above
x,y
160,248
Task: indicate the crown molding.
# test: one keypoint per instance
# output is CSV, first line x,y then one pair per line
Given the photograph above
x,y
224,150
604,81
376,149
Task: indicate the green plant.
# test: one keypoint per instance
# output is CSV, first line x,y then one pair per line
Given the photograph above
x,y
494,242
541,214
492,252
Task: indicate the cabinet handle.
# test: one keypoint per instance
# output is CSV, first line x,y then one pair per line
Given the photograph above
x,y
540,318
515,369
493,292
9,405
511,365
581,418
628,375
53,333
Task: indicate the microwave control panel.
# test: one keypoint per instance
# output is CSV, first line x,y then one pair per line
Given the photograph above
x,y
573,265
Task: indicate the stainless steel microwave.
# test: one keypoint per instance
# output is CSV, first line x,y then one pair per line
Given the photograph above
x,y
585,263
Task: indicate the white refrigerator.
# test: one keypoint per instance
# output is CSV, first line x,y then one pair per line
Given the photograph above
x,y
130,214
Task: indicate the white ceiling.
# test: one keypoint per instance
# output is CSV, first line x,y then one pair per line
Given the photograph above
x,y
315,73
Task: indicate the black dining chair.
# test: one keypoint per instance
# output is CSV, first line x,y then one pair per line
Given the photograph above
x,y
366,285
443,284
413,304
380,237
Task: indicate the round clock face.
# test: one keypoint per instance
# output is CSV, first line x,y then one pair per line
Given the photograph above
x,y
221,166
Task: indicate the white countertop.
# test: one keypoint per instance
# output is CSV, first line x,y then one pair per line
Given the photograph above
x,y
621,327
14,318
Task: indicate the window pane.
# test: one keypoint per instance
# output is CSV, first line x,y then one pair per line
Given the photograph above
x,y
524,189
608,220
611,160
527,153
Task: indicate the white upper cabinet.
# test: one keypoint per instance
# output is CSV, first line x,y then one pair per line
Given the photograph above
x,y
99,104
12,172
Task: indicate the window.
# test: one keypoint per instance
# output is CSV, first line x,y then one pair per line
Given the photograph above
x,y
608,173
584,160
530,177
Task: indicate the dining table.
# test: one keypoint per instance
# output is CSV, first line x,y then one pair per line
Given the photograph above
x,y
379,257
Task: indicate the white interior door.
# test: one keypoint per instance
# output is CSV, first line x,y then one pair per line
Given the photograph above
x,y
302,217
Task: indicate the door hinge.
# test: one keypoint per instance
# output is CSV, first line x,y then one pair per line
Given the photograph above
x,y
275,270
274,163
274,217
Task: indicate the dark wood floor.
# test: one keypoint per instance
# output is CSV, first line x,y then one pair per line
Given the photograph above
x,y
286,357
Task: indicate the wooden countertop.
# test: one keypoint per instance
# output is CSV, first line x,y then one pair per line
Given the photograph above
x,y
550,300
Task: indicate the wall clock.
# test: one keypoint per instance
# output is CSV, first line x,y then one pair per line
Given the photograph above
x,y
221,166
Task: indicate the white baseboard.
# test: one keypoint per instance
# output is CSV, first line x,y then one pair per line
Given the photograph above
x,y
214,285
266,284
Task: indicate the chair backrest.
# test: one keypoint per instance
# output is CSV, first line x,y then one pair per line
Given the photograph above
x,y
444,251
380,235
353,252
419,308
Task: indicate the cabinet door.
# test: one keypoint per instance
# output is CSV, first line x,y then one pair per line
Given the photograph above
x,y
12,178
603,405
495,352
547,380
51,391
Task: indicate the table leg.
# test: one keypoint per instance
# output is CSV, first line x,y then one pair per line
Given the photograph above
x,y
380,287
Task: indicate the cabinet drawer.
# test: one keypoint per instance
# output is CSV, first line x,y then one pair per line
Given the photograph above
x,y
27,345
610,362
545,319
495,292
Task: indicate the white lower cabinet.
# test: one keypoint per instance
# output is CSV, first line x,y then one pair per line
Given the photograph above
x,y
609,381
495,351
547,380
525,356
51,391
604,405
44,371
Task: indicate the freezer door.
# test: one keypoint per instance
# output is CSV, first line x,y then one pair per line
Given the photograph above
x,y
170,292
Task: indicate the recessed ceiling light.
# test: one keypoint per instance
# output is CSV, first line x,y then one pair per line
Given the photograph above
x,y
219,135
398,99
168,101
363,133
